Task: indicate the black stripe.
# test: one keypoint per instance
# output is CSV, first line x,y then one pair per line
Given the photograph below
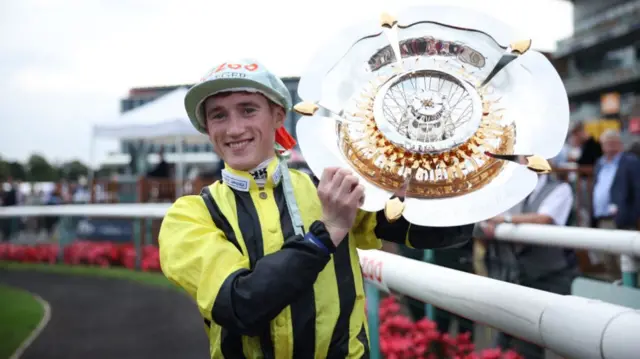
x,y
218,218
249,224
362,337
230,344
339,347
303,309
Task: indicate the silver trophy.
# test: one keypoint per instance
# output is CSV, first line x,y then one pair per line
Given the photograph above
x,y
444,107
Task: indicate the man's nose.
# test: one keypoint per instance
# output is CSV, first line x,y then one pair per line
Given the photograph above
x,y
236,126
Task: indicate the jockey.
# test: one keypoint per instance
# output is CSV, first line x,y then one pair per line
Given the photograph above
x,y
270,260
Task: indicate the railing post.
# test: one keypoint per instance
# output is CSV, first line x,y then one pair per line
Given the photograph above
x,y
64,236
373,305
629,269
136,241
148,229
429,310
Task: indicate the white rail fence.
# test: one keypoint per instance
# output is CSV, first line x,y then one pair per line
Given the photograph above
x,y
571,326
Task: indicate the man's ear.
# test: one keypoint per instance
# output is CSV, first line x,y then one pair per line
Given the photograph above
x,y
279,115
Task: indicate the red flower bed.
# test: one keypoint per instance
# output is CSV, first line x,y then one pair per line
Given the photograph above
x,y
402,338
103,254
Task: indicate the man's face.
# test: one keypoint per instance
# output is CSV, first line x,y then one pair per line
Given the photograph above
x,y
611,146
242,127
573,140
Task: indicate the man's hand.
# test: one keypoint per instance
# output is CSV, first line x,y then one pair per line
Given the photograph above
x,y
340,196
489,229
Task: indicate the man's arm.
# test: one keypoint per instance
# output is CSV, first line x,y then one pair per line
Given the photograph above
x,y
555,209
198,257
634,179
373,227
534,218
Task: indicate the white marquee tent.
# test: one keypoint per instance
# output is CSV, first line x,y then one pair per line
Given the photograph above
x,y
162,117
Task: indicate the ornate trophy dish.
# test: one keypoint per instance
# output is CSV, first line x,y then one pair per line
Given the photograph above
x,y
433,107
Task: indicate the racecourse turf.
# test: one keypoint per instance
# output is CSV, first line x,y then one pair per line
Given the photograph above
x,y
104,313
151,278
20,313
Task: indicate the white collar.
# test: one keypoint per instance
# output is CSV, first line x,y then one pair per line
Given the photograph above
x,y
242,183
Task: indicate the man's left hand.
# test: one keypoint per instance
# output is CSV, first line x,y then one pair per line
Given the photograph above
x,y
488,229
489,226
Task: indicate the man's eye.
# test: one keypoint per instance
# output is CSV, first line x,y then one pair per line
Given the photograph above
x,y
217,116
249,110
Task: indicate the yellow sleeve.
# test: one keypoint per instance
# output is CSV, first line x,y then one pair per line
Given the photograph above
x,y
363,231
196,255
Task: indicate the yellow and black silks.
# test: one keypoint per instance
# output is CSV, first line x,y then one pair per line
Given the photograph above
x,y
265,292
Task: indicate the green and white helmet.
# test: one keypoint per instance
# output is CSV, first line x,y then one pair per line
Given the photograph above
x,y
243,75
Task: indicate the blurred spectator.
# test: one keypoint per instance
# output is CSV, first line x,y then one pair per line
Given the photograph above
x,y
570,152
9,198
590,149
55,198
81,193
162,170
545,268
635,148
616,191
33,198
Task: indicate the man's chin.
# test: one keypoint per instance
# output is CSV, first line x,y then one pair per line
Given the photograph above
x,y
242,163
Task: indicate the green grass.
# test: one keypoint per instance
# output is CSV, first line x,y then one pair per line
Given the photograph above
x,y
149,278
20,313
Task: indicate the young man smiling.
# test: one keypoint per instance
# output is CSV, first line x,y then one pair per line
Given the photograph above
x,y
270,260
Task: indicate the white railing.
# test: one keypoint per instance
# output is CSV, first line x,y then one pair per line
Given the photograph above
x,y
606,240
568,325
571,326
116,210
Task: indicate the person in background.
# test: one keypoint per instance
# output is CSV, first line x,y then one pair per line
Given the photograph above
x,y
590,149
616,191
9,198
635,148
81,193
162,170
550,269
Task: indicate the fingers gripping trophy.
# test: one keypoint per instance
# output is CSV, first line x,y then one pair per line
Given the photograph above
x,y
445,115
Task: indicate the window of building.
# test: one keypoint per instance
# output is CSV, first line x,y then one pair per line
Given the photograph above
x,y
589,63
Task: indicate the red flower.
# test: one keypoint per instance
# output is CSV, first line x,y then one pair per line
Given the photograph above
x,y
401,338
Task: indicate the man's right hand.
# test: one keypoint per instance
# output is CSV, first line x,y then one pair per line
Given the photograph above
x,y
340,196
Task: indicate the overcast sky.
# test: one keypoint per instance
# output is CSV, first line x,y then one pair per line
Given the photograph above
x,y
66,63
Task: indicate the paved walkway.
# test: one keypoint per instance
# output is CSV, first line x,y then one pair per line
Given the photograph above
x,y
104,318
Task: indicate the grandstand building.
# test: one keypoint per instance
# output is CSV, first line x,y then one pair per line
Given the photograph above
x,y
600,65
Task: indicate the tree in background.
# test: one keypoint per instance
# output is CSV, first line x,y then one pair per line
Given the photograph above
x,y
5,170
17,171
38,169
73,170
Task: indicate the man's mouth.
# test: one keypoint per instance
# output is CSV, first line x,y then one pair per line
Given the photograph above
x,y
236,145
